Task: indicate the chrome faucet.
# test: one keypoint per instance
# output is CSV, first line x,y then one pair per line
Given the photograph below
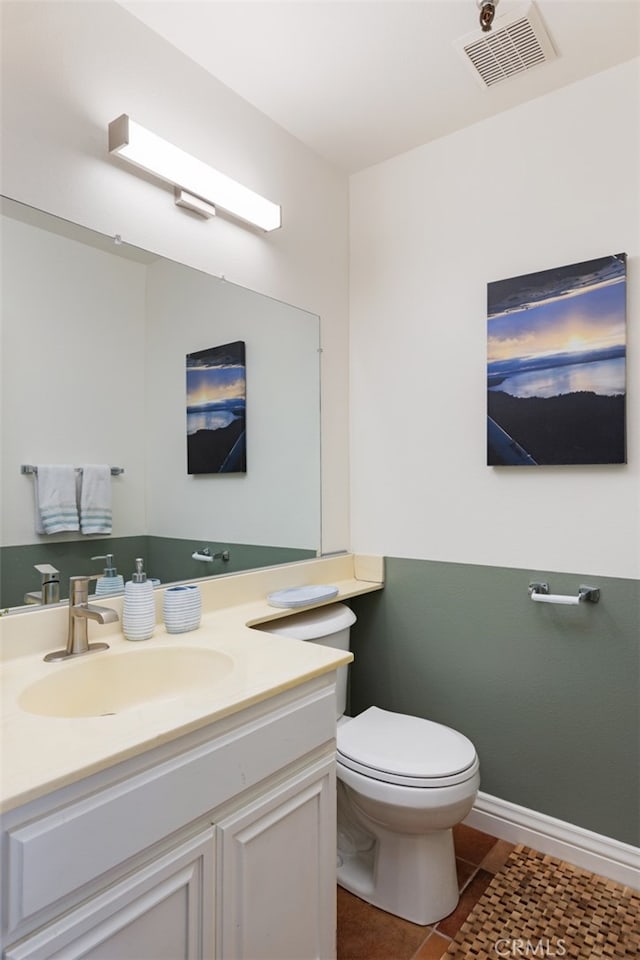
x,y
80,611
49,585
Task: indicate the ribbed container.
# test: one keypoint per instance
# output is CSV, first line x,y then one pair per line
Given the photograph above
x,y
138,611
182,608
107,586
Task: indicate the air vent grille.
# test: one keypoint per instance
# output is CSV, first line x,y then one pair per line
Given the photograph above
x,y
513,46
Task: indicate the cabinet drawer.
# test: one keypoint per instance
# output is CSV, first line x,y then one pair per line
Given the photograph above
x,y
54,855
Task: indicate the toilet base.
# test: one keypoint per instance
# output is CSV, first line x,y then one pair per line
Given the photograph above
x,y
413,877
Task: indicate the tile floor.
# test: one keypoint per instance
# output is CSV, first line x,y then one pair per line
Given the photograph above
x,y
366,933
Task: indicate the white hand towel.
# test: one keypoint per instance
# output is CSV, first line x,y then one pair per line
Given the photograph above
x,y
95,498
56,498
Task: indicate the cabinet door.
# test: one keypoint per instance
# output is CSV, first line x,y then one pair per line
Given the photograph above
x,y
162,912
277,874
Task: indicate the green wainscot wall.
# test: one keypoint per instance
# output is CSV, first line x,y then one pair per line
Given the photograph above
x,y
167,559
548,694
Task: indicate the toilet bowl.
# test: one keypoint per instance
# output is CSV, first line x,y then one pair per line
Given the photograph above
x,y
407,782
403,784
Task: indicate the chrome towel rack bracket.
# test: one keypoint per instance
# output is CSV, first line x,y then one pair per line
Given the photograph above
x,y
539,591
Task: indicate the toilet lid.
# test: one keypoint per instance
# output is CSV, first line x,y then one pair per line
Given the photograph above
x,y
402,749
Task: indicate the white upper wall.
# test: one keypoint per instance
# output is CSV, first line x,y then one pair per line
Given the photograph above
x,y
64,402
555,181
68,69
275,503
552,182
92,369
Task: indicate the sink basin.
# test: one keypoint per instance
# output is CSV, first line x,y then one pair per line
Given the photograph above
x,y
103,684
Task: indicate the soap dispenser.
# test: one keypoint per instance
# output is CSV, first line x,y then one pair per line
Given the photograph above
x,y
139,608
111,581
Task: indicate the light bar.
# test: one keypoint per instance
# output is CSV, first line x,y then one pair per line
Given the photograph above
x,y
149,152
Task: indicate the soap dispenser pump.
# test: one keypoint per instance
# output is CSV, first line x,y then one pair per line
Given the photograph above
x,y
111,581
139,608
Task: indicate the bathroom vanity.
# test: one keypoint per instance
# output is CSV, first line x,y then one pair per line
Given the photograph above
x,y
193,848
196,827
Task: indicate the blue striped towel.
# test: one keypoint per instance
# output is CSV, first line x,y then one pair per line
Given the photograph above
x,y
56,498
95,498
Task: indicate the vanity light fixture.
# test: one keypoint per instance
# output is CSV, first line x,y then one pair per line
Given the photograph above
x,y
198,186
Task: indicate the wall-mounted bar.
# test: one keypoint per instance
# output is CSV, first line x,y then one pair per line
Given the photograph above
x,y
540,593
28,468
205,554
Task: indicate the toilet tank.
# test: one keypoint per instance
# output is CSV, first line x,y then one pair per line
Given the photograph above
x,y
328,626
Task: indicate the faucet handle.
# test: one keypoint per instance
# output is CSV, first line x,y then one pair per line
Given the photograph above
x,y
79,588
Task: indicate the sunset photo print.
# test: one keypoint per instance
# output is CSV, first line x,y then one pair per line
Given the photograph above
x,y
216,410
556,365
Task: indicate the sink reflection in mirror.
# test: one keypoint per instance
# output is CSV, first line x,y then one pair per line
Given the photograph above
x,y
125,320
108,683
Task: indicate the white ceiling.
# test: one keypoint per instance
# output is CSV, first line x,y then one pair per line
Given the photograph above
x,y
360,81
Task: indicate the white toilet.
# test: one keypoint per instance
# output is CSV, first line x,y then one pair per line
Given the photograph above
x,y
403,784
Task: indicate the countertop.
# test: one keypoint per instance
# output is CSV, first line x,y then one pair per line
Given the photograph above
x,y
43,753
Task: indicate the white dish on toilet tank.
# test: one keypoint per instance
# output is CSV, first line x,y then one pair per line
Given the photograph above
x,y
302,596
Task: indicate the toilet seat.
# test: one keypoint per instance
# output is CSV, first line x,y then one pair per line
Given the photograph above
x,y
404,750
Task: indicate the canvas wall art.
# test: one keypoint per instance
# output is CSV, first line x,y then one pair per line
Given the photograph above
x,y
216,410
556,365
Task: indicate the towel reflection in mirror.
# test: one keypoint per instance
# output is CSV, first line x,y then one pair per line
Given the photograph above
x,y
68,498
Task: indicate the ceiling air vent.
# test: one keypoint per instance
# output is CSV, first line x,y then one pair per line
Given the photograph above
x,y
513,45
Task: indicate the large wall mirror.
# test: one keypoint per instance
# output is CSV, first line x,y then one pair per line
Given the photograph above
x,y
95,335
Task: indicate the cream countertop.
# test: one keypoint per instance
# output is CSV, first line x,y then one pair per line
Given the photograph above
x,y
41,753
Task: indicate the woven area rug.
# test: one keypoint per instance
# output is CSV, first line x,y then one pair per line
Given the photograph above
x,y
541,907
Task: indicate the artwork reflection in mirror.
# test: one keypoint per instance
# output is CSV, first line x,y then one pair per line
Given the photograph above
x,y
95,336
216,410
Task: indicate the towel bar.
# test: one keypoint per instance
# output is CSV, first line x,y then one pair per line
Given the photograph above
x,y
28,468
540,593
205,554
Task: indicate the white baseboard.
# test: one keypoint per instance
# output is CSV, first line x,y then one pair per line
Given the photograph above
x,y
592,851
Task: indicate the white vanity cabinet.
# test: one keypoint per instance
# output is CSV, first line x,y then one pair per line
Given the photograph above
x,y
220,844
275,856
159,912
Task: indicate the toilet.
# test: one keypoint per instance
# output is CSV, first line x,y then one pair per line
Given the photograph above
x,y
403,784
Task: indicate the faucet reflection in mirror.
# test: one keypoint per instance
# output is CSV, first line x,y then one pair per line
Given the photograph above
x,y
49,591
